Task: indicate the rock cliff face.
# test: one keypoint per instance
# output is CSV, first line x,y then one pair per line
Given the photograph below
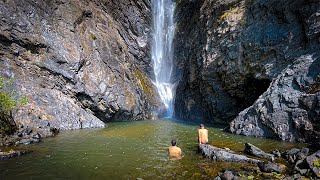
x,y
253,57
80,62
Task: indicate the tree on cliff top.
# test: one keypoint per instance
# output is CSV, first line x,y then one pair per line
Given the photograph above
x,y
8,101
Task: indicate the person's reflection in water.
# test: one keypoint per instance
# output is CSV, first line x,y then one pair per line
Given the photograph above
x,y
174,151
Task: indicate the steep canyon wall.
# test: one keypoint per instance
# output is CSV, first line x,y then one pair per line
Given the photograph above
x,y
253,63
79,62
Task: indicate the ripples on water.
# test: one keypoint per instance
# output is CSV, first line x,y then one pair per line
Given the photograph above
x,y
127,150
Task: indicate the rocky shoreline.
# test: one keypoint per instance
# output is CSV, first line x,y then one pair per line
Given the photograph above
x,y
291,164
27,135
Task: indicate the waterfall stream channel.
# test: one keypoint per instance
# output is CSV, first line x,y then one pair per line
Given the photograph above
x,y
162,51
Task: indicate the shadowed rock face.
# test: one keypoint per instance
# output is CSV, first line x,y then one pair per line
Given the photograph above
x,y
79,62
232,52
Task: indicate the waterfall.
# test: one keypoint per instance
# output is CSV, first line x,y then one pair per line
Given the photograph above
x,y
162,51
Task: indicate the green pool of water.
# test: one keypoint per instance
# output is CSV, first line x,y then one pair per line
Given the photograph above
x,y
128,150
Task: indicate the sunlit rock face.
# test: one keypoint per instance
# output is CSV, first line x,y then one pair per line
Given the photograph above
x,y
79,62
260,55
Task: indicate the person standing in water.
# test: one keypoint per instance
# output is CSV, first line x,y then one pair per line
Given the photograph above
x,y
175,151
202,135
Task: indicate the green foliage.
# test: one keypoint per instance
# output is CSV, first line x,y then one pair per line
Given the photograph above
x,y
246,177
232,10
278,175
92,36
316,162
315,87
8,101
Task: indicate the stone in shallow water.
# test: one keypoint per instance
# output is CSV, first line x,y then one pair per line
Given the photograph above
x,y
13,153
255,151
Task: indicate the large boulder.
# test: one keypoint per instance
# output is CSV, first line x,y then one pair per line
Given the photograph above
x,y
283,112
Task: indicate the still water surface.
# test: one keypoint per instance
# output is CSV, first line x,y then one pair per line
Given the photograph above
x,y
128,150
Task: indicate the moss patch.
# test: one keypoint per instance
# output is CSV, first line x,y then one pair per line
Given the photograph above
x,y
316,162
8,101
145,84
92,36
231,11
315,87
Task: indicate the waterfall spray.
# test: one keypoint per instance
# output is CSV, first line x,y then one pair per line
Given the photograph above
x,y
162,51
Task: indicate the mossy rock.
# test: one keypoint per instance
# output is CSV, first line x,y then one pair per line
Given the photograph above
x,y
315,87
146,86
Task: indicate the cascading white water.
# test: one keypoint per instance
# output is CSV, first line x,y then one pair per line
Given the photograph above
x,y
162,50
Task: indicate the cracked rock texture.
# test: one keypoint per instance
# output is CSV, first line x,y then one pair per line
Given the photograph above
x,y
253,63
81,63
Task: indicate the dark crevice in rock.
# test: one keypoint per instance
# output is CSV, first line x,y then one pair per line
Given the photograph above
x,y
33,47
88,103
67,79
85,14
7,124
252,89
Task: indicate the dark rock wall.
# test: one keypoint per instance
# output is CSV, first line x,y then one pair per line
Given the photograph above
x,y
232,54
79,62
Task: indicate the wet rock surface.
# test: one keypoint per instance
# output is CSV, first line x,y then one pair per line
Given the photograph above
x,y
232,175
255,63
218,154
13,153
270,167
80,63
305,165
255,151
